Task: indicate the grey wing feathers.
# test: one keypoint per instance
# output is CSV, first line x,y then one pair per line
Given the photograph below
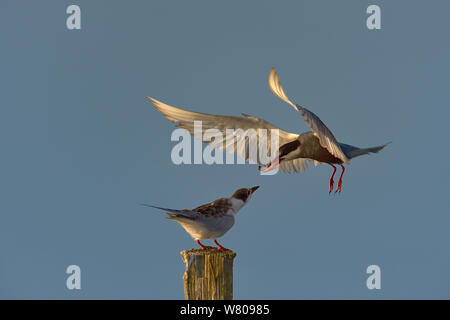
x,y
292,166
320,130
296,165
227,142
177,213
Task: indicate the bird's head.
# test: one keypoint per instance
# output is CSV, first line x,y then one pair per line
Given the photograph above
x,y
244,194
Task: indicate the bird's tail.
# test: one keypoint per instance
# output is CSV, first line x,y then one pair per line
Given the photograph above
x,y
353,152
173,213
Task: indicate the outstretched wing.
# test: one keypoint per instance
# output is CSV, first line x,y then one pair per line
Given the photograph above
x,y
320,130
233,140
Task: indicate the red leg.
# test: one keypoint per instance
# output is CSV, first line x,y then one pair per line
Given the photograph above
x,y
201,245
220,247
339,185
332,176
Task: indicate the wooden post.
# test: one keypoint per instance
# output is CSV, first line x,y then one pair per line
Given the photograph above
x,y
208,275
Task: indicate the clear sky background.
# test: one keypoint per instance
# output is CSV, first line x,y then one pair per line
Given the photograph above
x,y
81,146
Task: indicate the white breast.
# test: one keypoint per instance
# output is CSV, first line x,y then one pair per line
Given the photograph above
x,y
209,227
236,204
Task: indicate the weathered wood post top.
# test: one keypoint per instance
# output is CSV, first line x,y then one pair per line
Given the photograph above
x,y
208,274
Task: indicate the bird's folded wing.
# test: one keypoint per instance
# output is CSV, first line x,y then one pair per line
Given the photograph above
x,y
236,140
217,208
320,130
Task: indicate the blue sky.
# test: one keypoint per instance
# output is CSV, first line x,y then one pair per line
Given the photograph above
x,y
82,147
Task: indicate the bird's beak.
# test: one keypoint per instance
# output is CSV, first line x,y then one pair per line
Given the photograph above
x,y
254,189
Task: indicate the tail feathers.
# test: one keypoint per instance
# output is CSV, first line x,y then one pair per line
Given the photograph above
x,y
173,213
353,152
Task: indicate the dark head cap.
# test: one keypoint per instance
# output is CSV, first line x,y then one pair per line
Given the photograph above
x,y
245,193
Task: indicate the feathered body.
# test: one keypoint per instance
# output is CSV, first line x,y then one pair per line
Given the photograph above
x,y
295,150
310,148
210,221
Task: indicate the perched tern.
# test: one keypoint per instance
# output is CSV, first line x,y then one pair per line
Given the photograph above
x,y
211,220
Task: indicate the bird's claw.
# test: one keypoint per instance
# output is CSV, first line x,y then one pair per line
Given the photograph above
x,y
219,246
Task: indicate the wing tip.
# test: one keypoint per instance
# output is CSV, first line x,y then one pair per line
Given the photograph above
x,y
273,77
155,102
